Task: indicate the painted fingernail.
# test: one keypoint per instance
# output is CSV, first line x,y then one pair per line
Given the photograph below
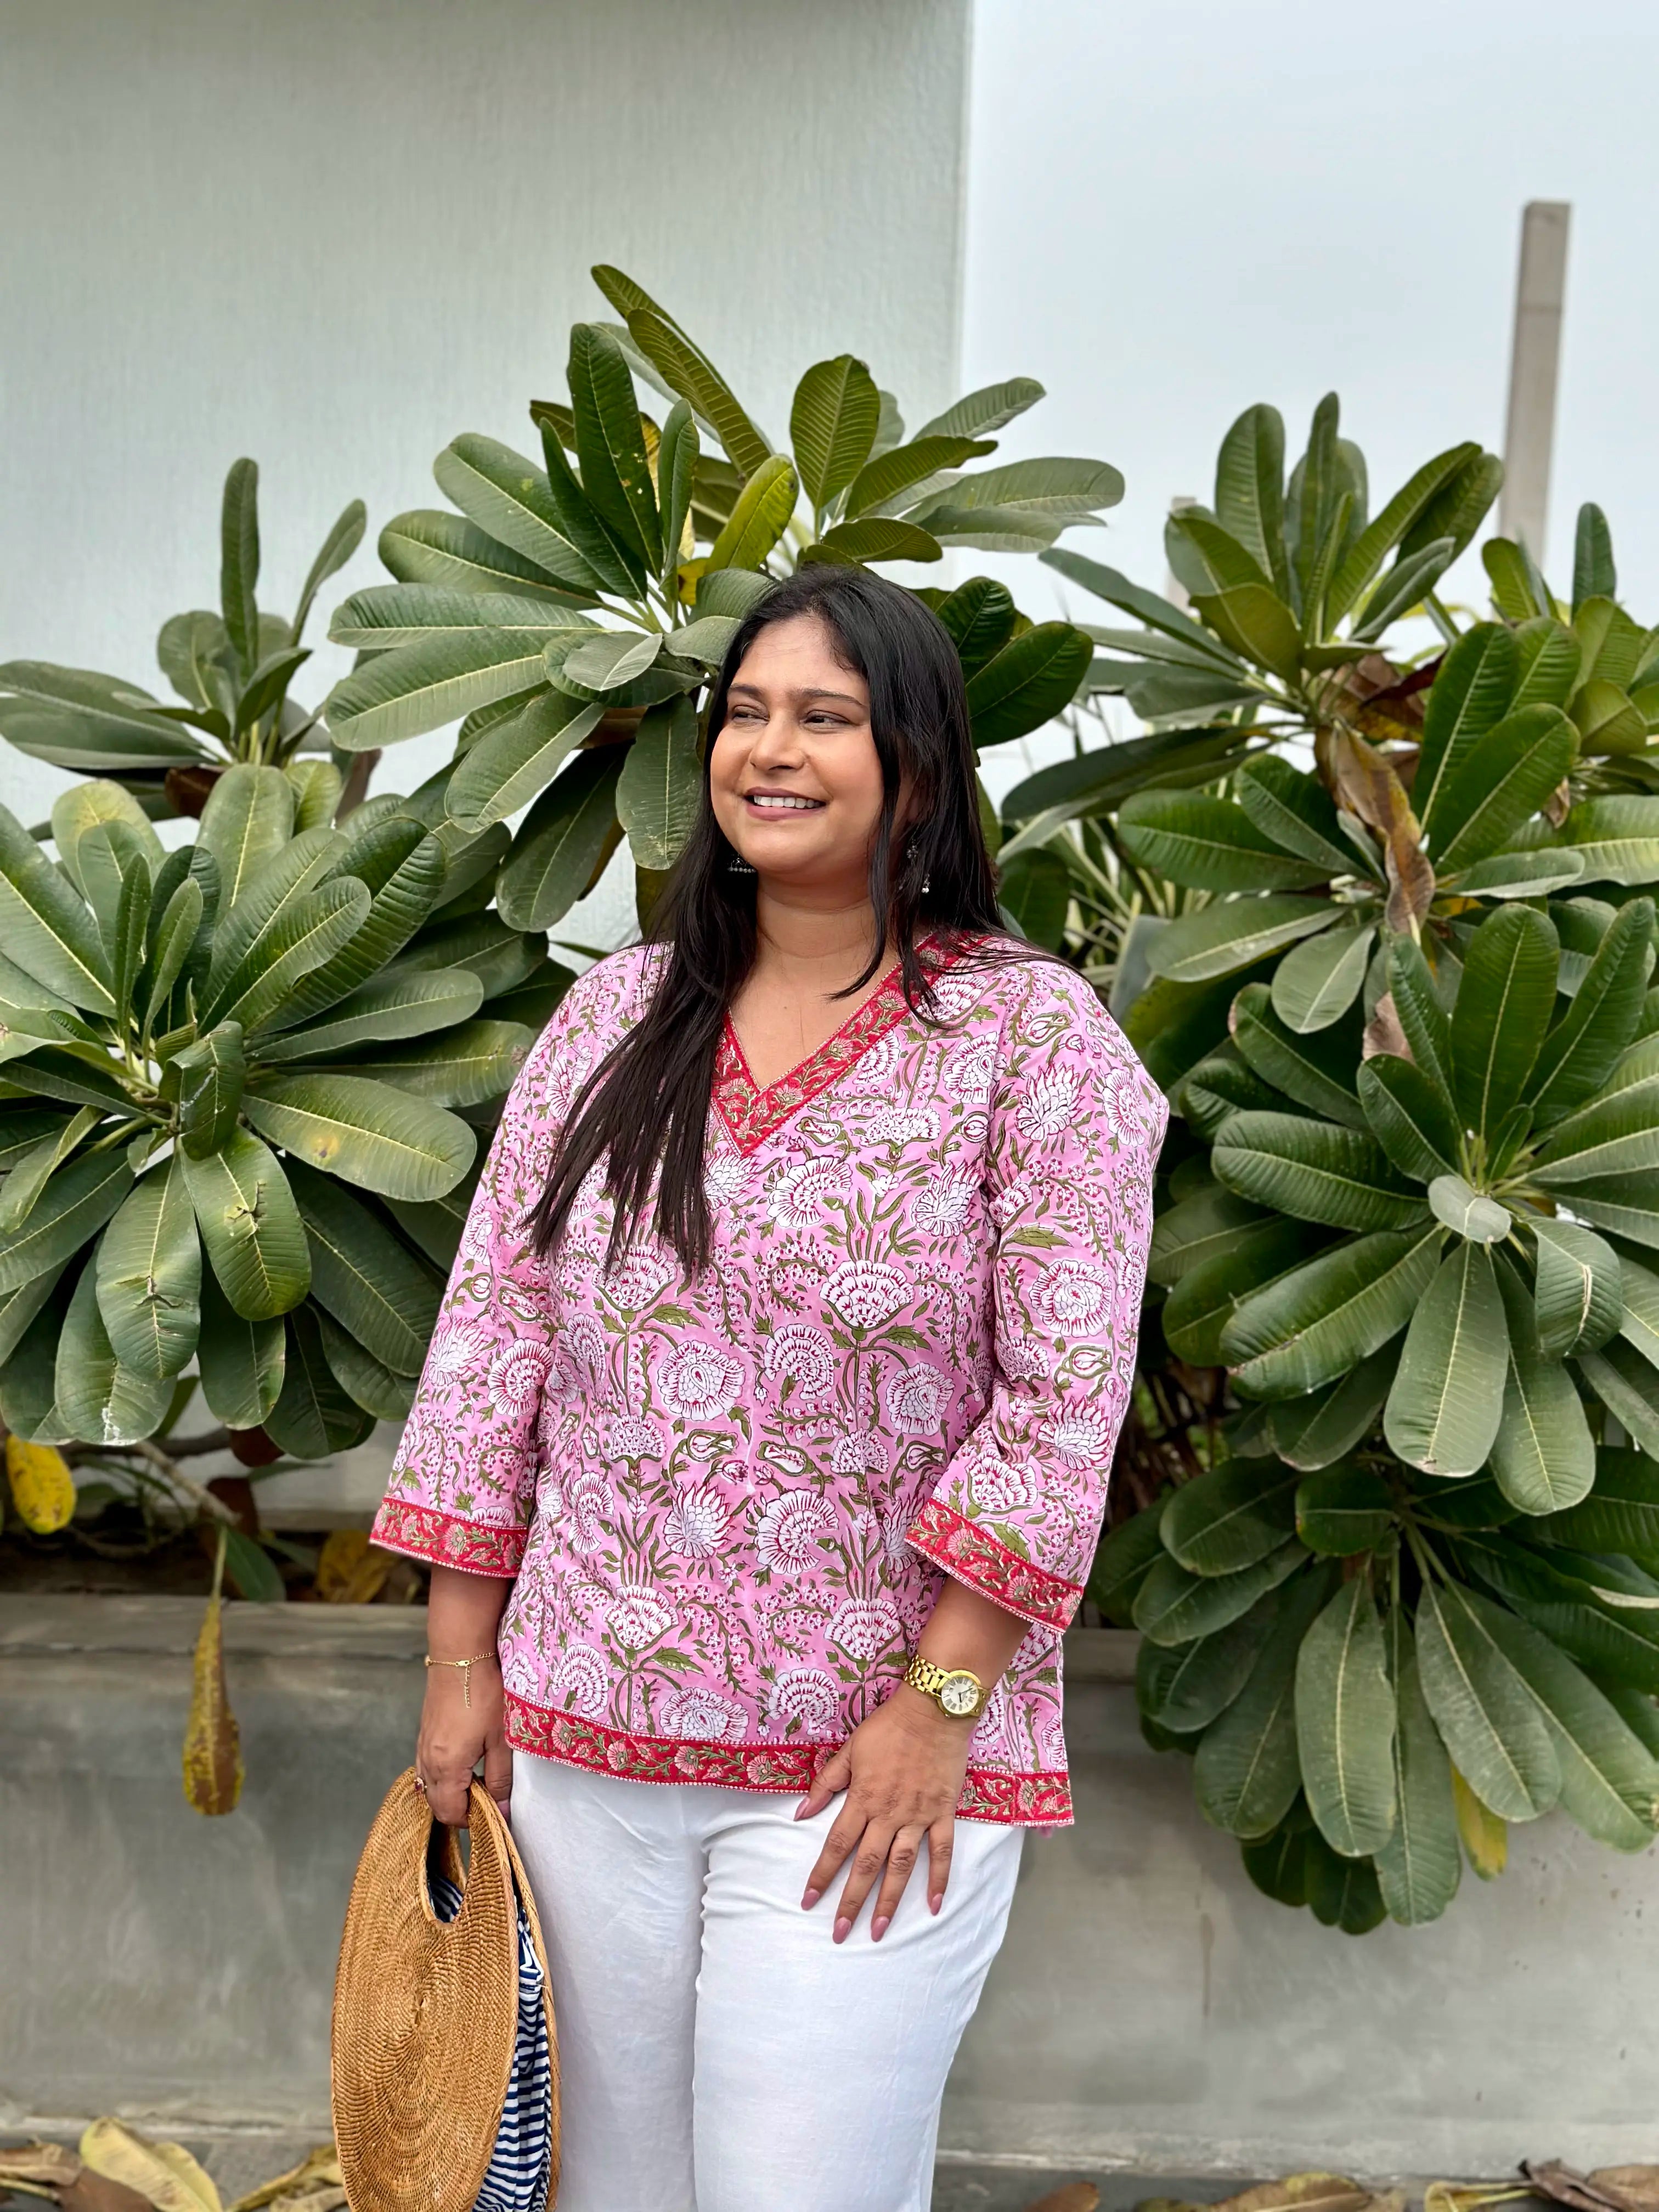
x,y
879,1928
843,1929
810,1899
934,1903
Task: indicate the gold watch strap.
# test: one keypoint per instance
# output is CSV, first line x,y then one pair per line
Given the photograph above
x,y
930,1679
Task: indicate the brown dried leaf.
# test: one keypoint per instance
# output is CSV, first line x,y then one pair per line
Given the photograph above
x,y
1411,883
1383,1032
1566,2186
1074,2196
1634,2187
163,2174
350,1572
1300,2192
38,2166
1469,2197
213,1749
96,2192
1558,805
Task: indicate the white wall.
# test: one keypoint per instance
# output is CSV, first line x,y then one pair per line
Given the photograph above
x,y
1175,211
330,233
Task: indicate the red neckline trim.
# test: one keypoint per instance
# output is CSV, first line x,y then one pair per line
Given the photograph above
x,y
751,1115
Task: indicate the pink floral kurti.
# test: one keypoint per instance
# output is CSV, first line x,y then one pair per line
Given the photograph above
x,y
729,1503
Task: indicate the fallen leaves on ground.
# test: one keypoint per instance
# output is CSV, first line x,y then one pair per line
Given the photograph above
x,y
119,2170
349,1571
1605,2189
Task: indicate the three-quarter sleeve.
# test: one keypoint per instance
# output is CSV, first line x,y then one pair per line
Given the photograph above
x,y
1073,1134
462,1490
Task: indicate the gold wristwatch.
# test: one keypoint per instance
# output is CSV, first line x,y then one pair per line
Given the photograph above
x,y
952,1689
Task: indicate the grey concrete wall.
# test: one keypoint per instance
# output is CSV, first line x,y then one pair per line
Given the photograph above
x,y
331,234
1150,2008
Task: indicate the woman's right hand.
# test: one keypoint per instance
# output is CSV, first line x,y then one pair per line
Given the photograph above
x,y
455,1735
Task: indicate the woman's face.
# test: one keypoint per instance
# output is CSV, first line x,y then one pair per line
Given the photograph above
x,y
793,776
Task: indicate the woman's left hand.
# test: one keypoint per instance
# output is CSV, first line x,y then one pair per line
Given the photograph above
x,y
903,1770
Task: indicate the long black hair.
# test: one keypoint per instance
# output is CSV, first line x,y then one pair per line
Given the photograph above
x,y
645,1105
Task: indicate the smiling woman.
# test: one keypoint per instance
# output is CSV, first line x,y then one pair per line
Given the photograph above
x,y
764,1434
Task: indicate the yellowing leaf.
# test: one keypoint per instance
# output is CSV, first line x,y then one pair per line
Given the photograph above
x,y
317,2172
213,1750
1300,2192
42,1487
1485,1838
349,1571
165,2172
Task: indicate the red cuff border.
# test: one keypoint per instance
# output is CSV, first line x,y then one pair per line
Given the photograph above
x,y
968,1551
423,1533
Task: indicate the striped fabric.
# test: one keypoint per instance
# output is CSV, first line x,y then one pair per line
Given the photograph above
x,y
516,2179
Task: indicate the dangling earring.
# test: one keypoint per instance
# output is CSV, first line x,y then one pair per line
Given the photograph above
x,y
737,865
926,885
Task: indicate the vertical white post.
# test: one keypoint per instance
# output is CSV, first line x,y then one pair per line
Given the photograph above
x,y
1530,434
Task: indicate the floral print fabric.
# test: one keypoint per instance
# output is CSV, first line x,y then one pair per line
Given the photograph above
x,y
729,1501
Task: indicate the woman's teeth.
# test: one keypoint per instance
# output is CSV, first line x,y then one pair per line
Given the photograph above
x,y
778,804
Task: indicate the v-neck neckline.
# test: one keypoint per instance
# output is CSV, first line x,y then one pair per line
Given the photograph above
x,y
752,1114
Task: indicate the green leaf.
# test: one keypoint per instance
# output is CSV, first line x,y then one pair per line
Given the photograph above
x,y
1313,1170
1516,875
1230,1518
562,843
194,653
1159,614
205,1081
84,807
1621,1514
240,1361
303,937
1256,623
705,641
1295,811
1442,1412
511,499
1193,1231
1465,1212
1580,1053
501,958
512,764
1411,1115
247,820
1201,1306
1206,843
1608,720
1052,489
389,1397
1422,1015
759,517
1027,683
361,1274
876,537
1318,980
76,718
337,548
385,616
1594,575
1250,489
676,461
688,371
1412,577
1312,1432
1501,782
394,1005
250,1225
660,789
99,1401
1374,543
1621,1644
238,561
1616,1136
416,687
990,407
403,869
1610,1784
902,476
1628,1387
74,1206
1617,838
832,426
1185,1688
1345,1723
611,443
18,1309
1319,1320
1485,1715
1504,1006
30,1174
430,546
1316,1070
1246,1773
366,1132
1231,934
608,660
317,789
1122,1563
1543,1456
463,1066
149,1276
45,927
1419,1868
1173,1606
1342,1510
312,1418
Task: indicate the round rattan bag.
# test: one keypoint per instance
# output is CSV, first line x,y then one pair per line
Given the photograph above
x,y
426,2010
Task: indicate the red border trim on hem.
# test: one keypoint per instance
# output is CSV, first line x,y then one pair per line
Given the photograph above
x,y
1039,1800
968,1551
423,1533
751,1115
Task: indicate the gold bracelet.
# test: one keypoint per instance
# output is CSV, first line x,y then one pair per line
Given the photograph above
x,y
466,1666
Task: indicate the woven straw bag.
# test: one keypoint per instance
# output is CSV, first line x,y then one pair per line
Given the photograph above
x,y
426,2011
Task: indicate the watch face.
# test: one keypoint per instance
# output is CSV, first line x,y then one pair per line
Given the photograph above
x,y
959,1694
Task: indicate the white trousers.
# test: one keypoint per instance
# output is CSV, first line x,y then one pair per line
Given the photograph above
x,y
717,2051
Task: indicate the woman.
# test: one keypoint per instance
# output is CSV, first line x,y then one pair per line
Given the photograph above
x,y
764,1436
